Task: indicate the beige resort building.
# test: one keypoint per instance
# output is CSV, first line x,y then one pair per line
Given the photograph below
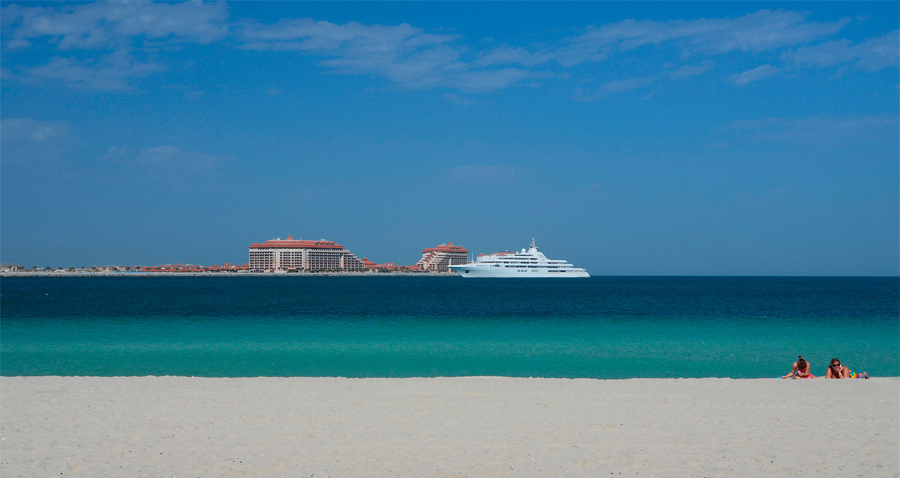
x,y
313,256
440,258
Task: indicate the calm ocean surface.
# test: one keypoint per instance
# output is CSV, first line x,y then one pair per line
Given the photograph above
x,y
604,327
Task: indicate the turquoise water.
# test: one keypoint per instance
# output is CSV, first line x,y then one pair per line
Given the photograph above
x,y
606,327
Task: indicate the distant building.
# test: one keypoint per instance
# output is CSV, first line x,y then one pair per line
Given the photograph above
x,y
226,267
11,268
438,259
312,256
388,267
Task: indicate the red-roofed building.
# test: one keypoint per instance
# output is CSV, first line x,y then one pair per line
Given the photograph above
x,y
388,267
440,258
286,254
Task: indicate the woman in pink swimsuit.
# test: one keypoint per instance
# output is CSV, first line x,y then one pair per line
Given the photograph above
x,y
800,369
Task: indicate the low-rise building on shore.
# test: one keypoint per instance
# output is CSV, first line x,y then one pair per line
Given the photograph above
x,y
106,269
389,267
225,267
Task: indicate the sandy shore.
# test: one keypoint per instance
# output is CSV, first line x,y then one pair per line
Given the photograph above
x,y
477,426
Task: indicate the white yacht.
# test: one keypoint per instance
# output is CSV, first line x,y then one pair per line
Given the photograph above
x,y
526,264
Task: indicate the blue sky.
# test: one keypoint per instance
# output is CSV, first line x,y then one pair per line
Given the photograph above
x,y
629,138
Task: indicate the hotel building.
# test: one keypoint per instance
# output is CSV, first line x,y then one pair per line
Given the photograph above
x,y
438,259
312,256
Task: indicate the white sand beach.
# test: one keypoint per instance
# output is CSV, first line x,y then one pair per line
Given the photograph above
x,y
474,426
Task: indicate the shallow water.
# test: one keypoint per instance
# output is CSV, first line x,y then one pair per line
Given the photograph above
x,y
604,327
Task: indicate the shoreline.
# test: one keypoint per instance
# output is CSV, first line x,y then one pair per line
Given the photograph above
x,y
463,426
439,377
228,274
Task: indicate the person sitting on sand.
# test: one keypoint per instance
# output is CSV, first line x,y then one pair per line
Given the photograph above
x,y
800,369
836,370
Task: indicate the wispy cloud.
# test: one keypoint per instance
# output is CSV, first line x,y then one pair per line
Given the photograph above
x,y
113,72
821,128
113,24
756,32
120,26
31,140
409,56
457,100
166,159
614,87
688,71
622,86
29,129
749,76
402,54
872,55
177,157
509,55
484,174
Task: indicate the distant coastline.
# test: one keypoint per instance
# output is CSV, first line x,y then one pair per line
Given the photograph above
x,y
228,274
277,256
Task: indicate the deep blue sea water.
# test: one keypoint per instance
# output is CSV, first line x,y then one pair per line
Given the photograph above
x,y
604,327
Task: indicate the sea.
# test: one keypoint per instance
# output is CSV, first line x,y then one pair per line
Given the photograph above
x,y
398,326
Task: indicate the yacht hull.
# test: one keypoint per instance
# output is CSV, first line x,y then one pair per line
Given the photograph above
x,y
470,272
528,264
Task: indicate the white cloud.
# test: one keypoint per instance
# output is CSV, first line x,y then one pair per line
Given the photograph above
x,y
113,24
756,32
31,140
166,159
614,87
109,25
749,76
413,58
28,129
622,86
456,99
409,56
173,156
403,54
112,73
688,71
484,174
875,54
821,128
508,55
352,39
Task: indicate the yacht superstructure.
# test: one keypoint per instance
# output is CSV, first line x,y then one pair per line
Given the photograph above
x,y
526,264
